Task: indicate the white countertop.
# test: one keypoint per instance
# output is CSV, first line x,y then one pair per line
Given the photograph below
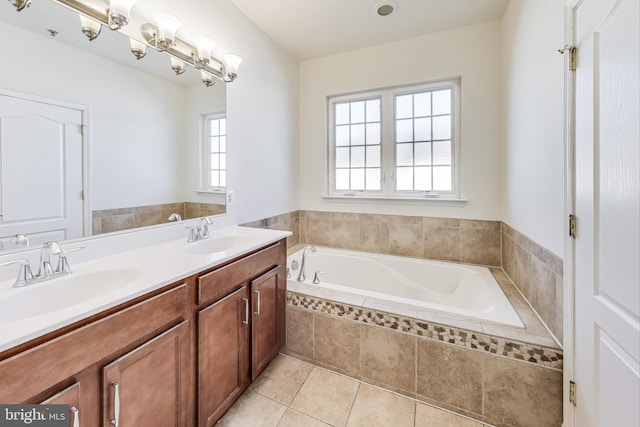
x,y
153,266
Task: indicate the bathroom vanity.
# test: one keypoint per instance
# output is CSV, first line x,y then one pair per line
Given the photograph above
x,y
176,355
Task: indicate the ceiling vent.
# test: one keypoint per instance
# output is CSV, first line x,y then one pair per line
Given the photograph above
x,y
386,8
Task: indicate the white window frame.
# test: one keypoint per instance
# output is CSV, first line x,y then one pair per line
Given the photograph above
x,y
388,149
205,155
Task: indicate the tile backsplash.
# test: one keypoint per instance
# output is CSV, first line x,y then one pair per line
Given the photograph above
x,y
536,271
108,220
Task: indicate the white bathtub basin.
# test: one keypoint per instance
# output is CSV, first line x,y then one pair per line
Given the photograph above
x,y
61,292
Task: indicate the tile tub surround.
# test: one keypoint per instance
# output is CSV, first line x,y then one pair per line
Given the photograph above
x,y
495,380
446,239
285,222
108,220
537,272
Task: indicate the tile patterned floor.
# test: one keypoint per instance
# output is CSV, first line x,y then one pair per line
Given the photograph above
x,y
293,393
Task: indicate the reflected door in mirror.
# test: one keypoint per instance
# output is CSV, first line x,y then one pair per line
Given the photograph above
x,y
40,170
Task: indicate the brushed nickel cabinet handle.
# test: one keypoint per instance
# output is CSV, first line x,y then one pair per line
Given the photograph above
x,y
76,416
116,404
246,311
257,312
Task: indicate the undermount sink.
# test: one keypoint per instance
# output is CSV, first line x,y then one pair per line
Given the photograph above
x,y
217,244
62,292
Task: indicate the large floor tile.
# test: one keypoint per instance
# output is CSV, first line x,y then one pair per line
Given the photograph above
x,y
428,416
293,418
282,379
376,407
255,410
326,396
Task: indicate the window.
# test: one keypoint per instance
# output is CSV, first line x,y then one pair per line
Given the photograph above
x,y
396,142
215,152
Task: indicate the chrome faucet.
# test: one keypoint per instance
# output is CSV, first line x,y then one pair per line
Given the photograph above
x,y
201,231
20,240
48,249
301,276
45,271
174,217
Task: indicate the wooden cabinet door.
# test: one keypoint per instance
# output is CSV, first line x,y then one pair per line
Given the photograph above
x,y
266,307
223,355
149,385
69,396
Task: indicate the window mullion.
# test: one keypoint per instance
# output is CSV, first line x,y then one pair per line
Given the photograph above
x,y
388,144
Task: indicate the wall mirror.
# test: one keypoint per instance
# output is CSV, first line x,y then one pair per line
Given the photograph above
x,y
146,139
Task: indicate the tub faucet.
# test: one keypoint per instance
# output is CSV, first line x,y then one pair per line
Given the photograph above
x,y
304,258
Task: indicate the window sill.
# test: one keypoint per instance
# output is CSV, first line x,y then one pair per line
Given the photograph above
x,y
433,201
209,192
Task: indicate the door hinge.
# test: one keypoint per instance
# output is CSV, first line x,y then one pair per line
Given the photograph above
x,y
573,226
82,129
82,195
572,393
573,56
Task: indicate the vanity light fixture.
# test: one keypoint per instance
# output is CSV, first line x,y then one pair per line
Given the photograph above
x,y
90,27
138,49
20,4
207,78
162,37
177,66
118,13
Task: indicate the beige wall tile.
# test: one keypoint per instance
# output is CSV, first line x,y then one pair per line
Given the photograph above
x,y
388,358
326,396
521,394
318,231
543,291
481,246
450,374
374,237
377,407
117,223
337,344
406,239
345,234
299,332
442,243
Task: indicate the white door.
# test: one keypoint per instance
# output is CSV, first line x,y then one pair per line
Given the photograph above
x,y
607,246
40,170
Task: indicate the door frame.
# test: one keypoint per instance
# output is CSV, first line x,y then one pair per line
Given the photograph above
x,y
569,209
84,110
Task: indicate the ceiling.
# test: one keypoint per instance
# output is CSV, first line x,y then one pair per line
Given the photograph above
x,y
304,28
314,28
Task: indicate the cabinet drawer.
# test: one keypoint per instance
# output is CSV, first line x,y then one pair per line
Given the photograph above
x,y
32,371
231,277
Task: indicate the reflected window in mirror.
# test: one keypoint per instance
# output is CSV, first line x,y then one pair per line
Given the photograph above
x,y
214,153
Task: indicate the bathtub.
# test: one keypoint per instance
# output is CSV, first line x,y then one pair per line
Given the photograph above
x,y
465,291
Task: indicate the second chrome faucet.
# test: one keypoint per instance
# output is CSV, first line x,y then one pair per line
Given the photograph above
x,y
301,276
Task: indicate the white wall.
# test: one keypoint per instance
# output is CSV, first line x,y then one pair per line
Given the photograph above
x,y
132,128
533,117
130,119
472,52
